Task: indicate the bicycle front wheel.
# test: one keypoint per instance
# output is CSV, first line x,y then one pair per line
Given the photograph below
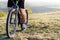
x,y
11,24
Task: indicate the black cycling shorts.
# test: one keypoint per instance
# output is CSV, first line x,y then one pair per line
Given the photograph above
x,y
20,3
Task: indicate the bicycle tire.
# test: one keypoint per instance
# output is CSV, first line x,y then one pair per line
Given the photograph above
x,y
9,18
26,17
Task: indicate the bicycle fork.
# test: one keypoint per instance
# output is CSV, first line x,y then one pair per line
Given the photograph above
x,y
15,20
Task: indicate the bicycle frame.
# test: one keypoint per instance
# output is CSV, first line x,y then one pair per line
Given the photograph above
x,y
15,10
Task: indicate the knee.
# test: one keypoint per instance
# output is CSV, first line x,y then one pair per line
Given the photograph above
x,y
22,10
9,8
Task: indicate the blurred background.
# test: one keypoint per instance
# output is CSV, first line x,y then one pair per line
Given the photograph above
x,y
37,6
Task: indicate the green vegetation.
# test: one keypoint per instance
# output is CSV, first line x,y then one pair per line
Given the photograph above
x,y
44,26
2,14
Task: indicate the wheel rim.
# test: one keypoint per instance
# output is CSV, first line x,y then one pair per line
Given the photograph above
x,y
11,27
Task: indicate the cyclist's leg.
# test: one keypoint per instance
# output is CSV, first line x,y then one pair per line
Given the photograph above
x,y
23,13
9,5
22,10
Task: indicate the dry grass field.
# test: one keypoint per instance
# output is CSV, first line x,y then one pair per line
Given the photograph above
x,y
41,26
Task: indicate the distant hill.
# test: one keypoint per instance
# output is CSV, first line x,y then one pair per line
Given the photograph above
x,y
35,9
42,9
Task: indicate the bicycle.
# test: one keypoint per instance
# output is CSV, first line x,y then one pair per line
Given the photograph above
x,y
12,20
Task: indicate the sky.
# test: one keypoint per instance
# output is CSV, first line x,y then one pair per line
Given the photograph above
x,y
3,0
42,2
51,3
